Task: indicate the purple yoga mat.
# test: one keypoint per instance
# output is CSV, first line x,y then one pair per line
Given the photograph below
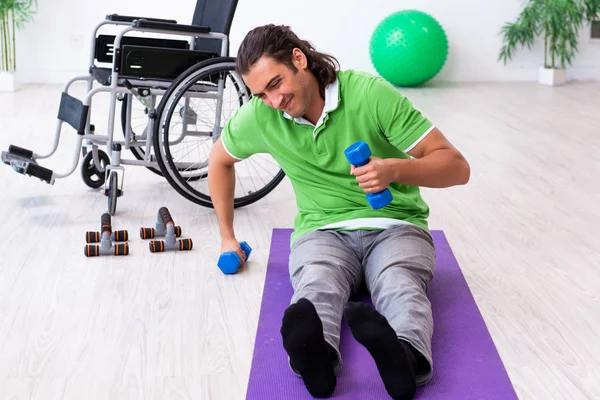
x,y
466,363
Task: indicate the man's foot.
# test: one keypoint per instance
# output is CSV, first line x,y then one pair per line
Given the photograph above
x,y
302,333
395,358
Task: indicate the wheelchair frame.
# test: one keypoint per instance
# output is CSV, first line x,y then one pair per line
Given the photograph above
x,y
77,113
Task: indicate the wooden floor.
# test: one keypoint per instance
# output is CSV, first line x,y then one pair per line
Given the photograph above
x,y
525,231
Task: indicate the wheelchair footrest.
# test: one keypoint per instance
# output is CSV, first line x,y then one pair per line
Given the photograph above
x,y
19,151
25,165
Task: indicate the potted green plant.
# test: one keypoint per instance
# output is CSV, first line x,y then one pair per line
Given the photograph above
x,y
13,14
558,22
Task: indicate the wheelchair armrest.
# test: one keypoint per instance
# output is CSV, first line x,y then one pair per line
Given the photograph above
x,y
126,18
146,23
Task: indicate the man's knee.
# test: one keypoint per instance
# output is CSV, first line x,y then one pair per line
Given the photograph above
x,y
324,279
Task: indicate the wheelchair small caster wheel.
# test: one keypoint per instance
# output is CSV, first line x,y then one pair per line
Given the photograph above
x,y
90,174
113,192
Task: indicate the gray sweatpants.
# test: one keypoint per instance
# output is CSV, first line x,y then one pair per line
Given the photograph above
x,y
328,267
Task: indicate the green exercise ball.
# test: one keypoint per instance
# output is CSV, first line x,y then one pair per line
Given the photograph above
x,y
408,48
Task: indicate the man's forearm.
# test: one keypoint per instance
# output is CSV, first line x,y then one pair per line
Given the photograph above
x,y
221,183
439,169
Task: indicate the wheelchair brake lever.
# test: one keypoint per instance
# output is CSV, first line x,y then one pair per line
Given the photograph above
x,y
141,95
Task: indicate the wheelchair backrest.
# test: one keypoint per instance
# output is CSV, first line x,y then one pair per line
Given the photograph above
x,y
217,15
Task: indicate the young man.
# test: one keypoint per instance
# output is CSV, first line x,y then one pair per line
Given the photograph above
x,y
305,113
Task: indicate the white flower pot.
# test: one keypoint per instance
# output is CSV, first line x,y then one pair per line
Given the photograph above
x,y
552,77
8,82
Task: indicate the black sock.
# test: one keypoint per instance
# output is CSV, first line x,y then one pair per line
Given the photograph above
x,y
310,355
395,358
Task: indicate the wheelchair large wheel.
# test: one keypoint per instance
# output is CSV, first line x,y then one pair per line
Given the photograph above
x,y
191,116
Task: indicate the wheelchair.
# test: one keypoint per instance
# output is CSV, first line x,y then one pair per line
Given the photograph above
x,y
175,97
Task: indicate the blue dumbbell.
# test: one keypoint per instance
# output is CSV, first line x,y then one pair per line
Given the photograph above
x,y
229,262
358,154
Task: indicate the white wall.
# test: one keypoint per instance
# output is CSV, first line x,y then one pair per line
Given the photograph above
x,y
55,46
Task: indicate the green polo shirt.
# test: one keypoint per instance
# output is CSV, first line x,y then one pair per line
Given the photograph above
x,y
358,106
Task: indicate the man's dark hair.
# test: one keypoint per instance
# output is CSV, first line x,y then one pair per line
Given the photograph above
x,y
278,42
